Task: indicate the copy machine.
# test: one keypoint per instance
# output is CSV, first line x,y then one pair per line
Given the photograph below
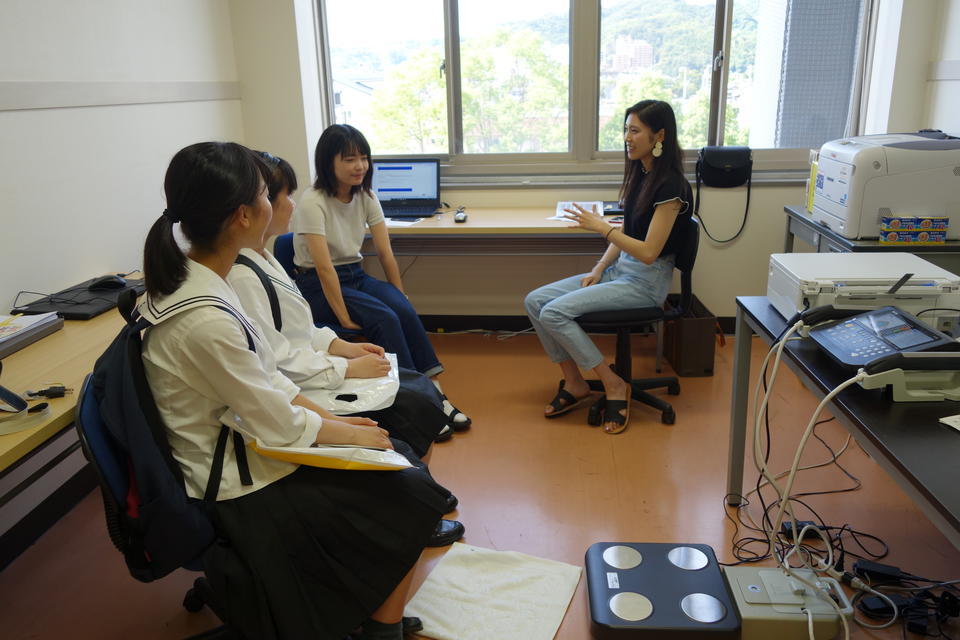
x,y
859,180
799,281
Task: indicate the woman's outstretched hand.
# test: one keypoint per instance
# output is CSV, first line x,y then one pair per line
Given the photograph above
x,y
586,219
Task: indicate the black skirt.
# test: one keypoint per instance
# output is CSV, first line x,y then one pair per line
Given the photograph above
x,y
416,415
313,554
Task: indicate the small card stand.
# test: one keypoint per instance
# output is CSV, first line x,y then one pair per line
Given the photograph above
x,y
654,590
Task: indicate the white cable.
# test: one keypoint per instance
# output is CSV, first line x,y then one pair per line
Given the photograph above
x,y
809,623
784,494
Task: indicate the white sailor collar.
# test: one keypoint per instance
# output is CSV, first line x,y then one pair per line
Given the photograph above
x,y
201,288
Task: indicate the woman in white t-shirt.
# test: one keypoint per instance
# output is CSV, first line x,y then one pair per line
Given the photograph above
x,y
302,551
330,223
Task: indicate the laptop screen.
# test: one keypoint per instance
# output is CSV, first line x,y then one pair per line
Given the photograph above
x,y
399,180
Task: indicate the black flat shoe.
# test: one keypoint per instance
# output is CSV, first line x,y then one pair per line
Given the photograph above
x,y
446,533
411,624
452,503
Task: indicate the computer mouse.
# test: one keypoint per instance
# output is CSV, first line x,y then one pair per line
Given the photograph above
x,y
106,283
460,216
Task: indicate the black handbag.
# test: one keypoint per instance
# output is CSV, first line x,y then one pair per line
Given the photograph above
x,y
724,168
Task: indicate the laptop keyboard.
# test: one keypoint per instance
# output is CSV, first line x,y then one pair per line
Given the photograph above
x,y
408,212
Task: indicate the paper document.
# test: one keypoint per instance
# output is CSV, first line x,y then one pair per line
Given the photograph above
x,y
402,222
590,205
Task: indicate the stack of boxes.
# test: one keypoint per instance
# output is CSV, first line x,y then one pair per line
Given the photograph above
x,y
913,230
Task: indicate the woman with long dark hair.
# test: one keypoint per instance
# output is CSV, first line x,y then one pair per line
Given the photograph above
x,y
302,551
634,271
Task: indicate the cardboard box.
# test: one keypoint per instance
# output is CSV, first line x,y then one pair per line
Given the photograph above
x,y
689,342
915,237
913,223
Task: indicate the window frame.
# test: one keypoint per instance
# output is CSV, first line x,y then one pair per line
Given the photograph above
x,y
583,164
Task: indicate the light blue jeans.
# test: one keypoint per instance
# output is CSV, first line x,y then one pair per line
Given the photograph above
x,y
627,284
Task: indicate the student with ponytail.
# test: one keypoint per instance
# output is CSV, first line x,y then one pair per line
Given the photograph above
x,y
304,551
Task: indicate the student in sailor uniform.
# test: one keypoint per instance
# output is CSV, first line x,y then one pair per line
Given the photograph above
x,y
329,226
305,551
634,271
315,358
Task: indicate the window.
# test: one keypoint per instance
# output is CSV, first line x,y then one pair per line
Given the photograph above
x,y
514,60
500,87
386,73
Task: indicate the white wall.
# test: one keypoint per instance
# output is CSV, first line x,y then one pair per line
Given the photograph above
x,y
83,184
277,63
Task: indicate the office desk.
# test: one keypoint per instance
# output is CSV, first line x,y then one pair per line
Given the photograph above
x,y
801,225
904,438
494,232
65,356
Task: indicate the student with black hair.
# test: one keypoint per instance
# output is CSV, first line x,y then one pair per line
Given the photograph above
x,y
330,223
312,552
314,357
635,270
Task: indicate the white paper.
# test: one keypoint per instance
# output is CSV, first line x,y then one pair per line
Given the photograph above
x,y
952,421
397,222
594,205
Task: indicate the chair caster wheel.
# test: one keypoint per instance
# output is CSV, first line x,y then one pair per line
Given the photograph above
x,y
668,417
674,389
595,414
192,602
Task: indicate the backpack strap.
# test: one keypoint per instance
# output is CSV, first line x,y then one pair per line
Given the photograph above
x,y
267,285
139,323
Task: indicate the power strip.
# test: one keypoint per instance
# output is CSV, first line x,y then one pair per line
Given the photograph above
x,y
772,603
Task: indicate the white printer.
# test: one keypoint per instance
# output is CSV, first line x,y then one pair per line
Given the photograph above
x,y
859,180
798,281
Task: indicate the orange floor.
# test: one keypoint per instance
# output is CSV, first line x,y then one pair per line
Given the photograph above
x,y
550,488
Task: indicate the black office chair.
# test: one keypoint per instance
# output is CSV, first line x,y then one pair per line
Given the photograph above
x,y
113,476
626,321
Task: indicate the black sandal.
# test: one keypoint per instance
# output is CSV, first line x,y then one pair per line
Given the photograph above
x,y
611,413
565,402
457,426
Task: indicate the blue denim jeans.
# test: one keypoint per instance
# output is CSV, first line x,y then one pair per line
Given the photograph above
x,y
626,284
386,316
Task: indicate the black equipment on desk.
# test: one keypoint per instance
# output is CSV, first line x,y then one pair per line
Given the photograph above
x,y
880,333
79,302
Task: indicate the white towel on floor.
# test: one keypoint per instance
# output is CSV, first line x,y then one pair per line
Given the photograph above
x,y
478,594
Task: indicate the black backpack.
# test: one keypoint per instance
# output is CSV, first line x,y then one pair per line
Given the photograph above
x,y
161,528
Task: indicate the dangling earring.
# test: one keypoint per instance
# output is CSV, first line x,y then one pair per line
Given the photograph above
x,y
657,150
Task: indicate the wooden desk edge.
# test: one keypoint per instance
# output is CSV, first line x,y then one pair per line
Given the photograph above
x,y
66,357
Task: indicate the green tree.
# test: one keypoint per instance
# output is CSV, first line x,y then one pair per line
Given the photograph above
x,y
410,111
629,91
514,95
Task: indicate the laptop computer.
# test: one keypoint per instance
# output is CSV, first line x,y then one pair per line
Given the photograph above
x,y
78,302
407,188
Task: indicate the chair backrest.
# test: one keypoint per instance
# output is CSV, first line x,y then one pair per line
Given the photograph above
x,y
109,464
283,252
684,261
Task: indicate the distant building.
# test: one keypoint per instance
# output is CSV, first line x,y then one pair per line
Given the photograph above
x,y
628,55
